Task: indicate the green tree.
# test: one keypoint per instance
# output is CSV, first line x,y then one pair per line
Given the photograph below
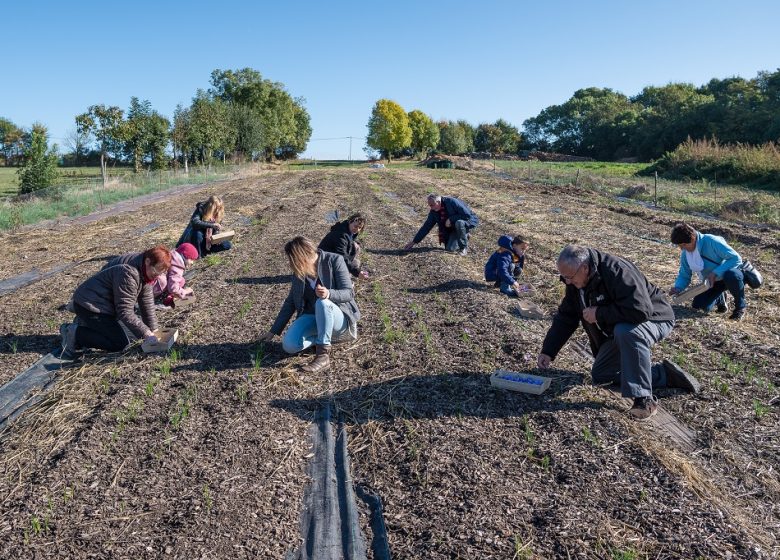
x,y
388,128
452,138
469,133
284,122
210,127
39,167
181,135
248,129
594,122
105,124
509,137
145,135
669,115
487,139
11,141
425,133
302,132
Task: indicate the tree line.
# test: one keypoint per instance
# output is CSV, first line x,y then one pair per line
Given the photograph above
x,y
395,133
242,116
602,123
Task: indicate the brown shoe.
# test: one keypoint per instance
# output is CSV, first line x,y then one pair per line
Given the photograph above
x,y
320,362
644,407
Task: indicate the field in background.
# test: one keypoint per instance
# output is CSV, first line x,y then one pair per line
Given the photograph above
x,y
82,192
9,178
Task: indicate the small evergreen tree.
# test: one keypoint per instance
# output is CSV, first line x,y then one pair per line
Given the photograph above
x,y
39,169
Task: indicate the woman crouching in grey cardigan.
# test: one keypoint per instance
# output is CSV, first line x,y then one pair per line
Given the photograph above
x,y
322,296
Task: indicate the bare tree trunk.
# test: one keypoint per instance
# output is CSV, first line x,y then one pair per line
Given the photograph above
x,y
103,168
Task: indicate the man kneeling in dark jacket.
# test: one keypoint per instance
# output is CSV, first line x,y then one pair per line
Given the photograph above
x,y
624,315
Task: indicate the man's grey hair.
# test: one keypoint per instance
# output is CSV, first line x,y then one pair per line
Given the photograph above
x,y
435,198
574,256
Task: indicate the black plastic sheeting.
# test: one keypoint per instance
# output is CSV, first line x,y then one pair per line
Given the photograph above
x,y
28,388
330,524
14,283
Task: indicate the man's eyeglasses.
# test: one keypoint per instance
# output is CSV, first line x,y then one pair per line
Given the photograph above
x,y
565,278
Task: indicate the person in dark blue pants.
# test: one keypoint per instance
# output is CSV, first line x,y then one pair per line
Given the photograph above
x,y
714,261
204,222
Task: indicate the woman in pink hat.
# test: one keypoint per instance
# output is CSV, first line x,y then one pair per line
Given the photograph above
x,y
171,286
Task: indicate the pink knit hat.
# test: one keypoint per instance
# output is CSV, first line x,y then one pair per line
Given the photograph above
x,y
188,251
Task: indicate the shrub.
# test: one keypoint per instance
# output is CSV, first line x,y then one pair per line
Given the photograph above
x,y
729,163
39,170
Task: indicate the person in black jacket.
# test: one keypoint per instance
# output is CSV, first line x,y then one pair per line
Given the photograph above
x,y
454,218
342,240
624,315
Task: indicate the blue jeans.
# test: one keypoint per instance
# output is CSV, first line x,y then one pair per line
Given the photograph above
x,y
625,359
199,240
328,320
734,281
459,238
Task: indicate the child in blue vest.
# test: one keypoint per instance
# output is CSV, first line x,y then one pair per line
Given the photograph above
x,y
505,266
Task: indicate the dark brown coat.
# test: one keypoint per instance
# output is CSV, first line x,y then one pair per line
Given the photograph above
x,y
116,289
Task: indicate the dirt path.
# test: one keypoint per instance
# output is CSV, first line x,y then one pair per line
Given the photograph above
x,y
203,453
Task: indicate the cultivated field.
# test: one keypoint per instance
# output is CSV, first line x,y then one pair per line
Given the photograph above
x,y
202,453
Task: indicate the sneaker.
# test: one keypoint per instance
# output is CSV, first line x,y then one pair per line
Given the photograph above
x,y
463,252
738,314
644,407
722,306
678,378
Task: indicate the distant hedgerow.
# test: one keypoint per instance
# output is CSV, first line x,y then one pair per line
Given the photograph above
x,y
727,163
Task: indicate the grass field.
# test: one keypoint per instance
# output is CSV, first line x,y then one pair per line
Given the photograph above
x,y
9,178
83,192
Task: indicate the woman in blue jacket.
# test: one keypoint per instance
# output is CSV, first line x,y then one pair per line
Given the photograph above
x,y
712,259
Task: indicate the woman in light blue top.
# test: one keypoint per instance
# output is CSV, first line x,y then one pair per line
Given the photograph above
x,y
713,260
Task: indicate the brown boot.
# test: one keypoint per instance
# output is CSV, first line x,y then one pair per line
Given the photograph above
x,y
320,362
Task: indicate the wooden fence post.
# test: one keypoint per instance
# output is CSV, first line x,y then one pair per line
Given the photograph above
x,y
655,190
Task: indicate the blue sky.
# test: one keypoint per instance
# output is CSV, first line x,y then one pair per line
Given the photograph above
x,y
478,61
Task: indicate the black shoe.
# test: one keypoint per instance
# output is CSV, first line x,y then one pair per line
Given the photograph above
x,y
722,306
678,378
68,334
644,407
738,314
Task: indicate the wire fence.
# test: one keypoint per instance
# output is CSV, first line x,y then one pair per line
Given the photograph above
x,y
706,196
76,196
